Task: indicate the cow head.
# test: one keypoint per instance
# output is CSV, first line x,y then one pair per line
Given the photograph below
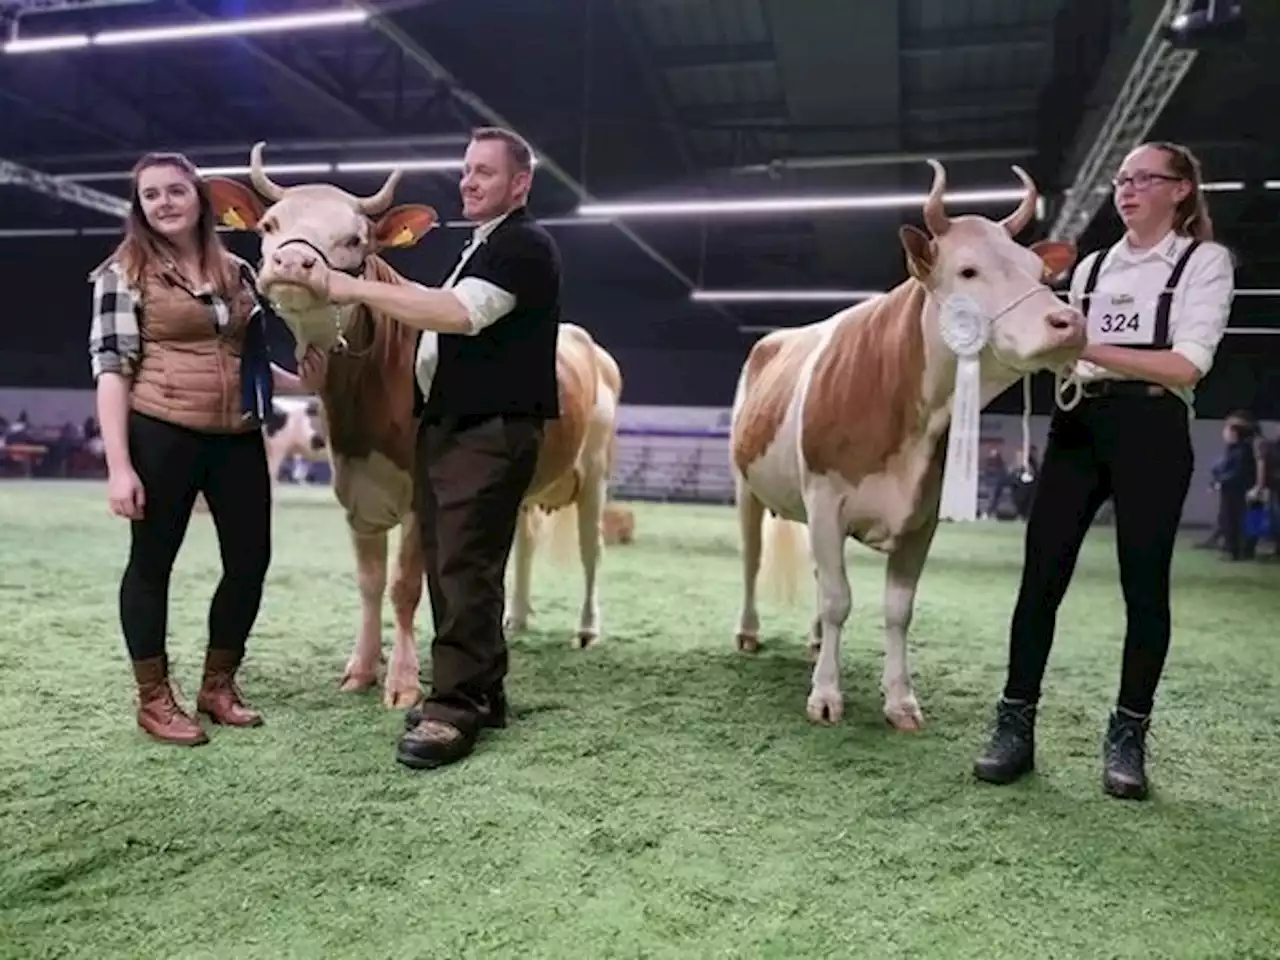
x,y
976,262
312,223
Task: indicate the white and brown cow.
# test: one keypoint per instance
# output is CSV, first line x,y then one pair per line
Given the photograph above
x,y
841,425
367,405
288,430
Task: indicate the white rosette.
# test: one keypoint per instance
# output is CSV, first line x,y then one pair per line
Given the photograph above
x,y
965,328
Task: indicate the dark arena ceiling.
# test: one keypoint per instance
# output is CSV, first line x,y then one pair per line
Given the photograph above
x,y
629,100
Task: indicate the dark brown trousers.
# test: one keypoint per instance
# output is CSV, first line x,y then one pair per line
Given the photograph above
x,y
470,476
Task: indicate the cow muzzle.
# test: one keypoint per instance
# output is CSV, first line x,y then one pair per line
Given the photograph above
x,y
1067,333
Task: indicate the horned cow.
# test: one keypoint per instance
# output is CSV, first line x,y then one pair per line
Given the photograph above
x,y
367,408
839,428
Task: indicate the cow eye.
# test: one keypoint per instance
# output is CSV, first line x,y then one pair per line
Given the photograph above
x,y
968,273
353,241
268,226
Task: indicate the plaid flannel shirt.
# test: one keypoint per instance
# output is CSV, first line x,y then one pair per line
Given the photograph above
x,y
115,330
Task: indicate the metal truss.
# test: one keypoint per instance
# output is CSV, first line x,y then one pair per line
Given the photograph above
x,y
1156,73
18,175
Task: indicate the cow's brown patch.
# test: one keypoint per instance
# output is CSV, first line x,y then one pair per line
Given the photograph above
x,y
772,373
368,391
864,401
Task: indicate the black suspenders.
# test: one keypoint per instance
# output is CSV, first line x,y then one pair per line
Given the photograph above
x,y
1163,304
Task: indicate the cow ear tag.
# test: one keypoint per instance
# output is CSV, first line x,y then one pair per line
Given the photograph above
x,y
231,217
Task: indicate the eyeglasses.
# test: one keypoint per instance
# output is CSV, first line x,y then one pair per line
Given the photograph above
x,y
1142,179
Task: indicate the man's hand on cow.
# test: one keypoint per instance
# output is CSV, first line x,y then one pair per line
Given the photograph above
x,y
312,368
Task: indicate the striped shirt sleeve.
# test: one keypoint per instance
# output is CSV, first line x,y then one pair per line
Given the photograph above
x,y
114,338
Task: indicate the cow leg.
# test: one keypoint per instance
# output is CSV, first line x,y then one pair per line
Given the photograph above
x,y
815,631
519,604
902,575
402,687
751,531
591,499
826,536
371,574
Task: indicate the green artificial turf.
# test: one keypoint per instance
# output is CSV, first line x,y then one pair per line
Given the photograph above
x,y
659,795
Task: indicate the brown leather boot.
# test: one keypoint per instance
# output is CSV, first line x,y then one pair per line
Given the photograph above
x,y
159,712
219,697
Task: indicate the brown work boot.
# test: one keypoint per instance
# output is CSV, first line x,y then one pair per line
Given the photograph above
x,y
159,712
219,697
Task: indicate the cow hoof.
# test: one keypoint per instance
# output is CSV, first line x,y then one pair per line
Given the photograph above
x,y
512,624
905,716
401,697
354,682
747,643
825,708
585,638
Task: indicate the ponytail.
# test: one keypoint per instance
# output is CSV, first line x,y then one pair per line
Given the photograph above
x,y
1191,218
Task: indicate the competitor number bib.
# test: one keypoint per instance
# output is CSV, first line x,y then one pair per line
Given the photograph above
x,y
1120,319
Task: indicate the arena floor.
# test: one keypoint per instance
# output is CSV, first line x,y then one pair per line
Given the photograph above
x,y
659,795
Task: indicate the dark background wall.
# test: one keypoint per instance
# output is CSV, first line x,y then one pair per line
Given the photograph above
x,y
671,352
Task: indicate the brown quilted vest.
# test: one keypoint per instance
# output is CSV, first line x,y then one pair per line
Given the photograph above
x,y
189,371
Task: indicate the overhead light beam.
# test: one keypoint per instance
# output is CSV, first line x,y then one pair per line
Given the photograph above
x,y
188,31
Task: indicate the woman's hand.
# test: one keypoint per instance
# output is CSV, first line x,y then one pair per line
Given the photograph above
x,y
313,368
125,495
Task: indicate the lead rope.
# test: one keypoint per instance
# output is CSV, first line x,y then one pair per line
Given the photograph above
x,y
1060,382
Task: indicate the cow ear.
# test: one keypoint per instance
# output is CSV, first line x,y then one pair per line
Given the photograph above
x,y
920,252
1058,257
405,225
234,204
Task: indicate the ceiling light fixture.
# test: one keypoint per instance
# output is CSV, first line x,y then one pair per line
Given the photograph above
x,y
814,204
780,296
408,165
189,31
818,295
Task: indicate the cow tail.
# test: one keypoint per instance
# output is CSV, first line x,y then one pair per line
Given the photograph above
x,y
785,563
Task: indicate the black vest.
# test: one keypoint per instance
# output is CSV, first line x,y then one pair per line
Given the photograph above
x,y
510,366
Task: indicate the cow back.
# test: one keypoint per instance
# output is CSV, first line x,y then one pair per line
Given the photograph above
x,y
769,382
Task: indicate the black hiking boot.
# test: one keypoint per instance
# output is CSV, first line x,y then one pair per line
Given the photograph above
x,y
1124,756
1011,751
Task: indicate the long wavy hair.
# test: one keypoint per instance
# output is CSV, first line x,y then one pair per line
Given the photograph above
x,y
142,246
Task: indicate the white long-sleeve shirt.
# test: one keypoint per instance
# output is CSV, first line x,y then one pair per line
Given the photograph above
x,y
1201,303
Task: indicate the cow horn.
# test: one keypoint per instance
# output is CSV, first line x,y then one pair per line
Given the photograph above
x,y
935,217
378,203
1017,221
258,177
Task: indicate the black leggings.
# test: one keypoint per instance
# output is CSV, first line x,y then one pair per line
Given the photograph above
x,y
174,464
1136,450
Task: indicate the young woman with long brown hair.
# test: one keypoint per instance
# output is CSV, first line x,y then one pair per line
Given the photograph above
x,y
178,350
1157,304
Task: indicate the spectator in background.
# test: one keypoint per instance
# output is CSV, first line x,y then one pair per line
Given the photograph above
x,y
996,473
1234,476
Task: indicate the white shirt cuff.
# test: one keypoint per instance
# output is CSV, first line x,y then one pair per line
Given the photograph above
x,y
486,302
1196,355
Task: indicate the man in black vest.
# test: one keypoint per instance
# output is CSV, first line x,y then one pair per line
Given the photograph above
x,y
485,383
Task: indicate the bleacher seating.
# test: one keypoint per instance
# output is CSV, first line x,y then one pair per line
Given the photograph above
x,y
673,466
